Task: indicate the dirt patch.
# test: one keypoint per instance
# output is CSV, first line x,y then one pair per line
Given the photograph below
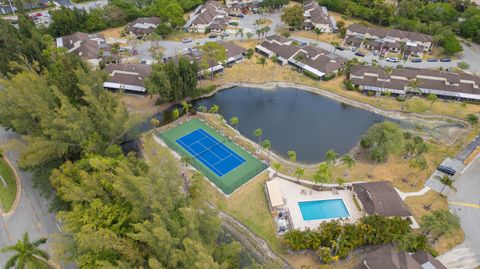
x,y
324,37
113,32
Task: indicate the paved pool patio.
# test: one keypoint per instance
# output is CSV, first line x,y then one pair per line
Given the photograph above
x,y
293,193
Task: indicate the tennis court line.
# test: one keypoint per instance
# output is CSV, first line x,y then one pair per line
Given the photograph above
x,y
229,150
206,163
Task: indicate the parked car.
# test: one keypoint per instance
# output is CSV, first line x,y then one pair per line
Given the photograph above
x,y
340,48
445,60
224,34
240,16
354,49
360,54
187,40
212,36
447,170
416,60
375,53
432,60
392,59
134,52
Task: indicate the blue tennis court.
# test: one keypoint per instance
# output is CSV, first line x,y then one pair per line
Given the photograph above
x,y
211,152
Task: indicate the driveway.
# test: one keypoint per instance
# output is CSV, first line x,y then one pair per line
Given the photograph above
x,y
465,202
31,213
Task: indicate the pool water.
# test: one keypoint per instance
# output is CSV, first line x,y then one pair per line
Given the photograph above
x,y
323,209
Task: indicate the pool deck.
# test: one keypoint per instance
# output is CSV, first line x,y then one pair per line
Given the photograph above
x,y
292,194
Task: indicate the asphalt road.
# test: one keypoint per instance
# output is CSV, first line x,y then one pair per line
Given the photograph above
x,y
465,202
31,214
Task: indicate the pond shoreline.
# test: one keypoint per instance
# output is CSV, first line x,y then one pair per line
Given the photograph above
x,y
393,114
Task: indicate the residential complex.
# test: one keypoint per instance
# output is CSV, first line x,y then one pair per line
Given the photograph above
x,y
384,39
91,47
127,77
234,53
317,16
387,256
143,26
207,17
242,4
314,60
459,86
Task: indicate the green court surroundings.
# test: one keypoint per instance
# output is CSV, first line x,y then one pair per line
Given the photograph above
x,y
8,186
222,161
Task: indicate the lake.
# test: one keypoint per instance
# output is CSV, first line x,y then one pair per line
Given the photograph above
x,y
293,119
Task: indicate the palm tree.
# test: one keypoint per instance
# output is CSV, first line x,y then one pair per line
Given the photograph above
x,y
432,98
420,164
299,172
349,161
387,71
276,167
234,122
258,133
292,156
318,32
186,160
322,175
267,145
340,181
446,181
27,254
413,86
249,35
240,33
262,61
175,113
213,109
330,156
202,109
186,107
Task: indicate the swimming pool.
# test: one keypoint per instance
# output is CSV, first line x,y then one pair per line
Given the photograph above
x,y
323,209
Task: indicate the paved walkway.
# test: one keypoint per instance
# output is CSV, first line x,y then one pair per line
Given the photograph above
x,y
405,195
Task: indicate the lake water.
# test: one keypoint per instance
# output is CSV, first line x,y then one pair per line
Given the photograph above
x,y
293,119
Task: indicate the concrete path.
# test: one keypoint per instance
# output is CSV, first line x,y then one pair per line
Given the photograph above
x,y
405,195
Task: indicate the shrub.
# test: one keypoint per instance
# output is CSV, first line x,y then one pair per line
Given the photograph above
x,y
349,85
401,98
472,119
439,223
328,77
343,238
463,65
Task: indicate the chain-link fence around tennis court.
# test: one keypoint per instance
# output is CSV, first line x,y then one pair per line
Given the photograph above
x,y
227,183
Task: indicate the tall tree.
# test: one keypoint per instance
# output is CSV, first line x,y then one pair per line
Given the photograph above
x,y
258,133
293,16
331,156
27,254
212,54
349,161
234,122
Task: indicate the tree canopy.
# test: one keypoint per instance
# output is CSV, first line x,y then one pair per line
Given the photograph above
x,y
382,139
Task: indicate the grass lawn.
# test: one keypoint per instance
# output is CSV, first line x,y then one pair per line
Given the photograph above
x,y
437,202
324,37
8,193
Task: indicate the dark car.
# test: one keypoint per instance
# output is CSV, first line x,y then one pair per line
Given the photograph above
x,y
241,16
445,60
432,60
447,170
416,60
360,54
212,36
339,48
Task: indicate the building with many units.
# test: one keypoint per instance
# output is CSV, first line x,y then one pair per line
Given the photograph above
x,y
143,26
91,47
127,77
384,39
207,17
317,16
448,85
309,59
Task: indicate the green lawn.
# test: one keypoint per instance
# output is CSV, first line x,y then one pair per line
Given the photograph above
x,y
228,182
8,193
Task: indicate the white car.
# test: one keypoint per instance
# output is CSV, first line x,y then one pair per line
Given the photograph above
x,y
187,40
392,59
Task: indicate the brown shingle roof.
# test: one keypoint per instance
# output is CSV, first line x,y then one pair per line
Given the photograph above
x,y
128,74
380,198
232,49
423,257
387,257
385,32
